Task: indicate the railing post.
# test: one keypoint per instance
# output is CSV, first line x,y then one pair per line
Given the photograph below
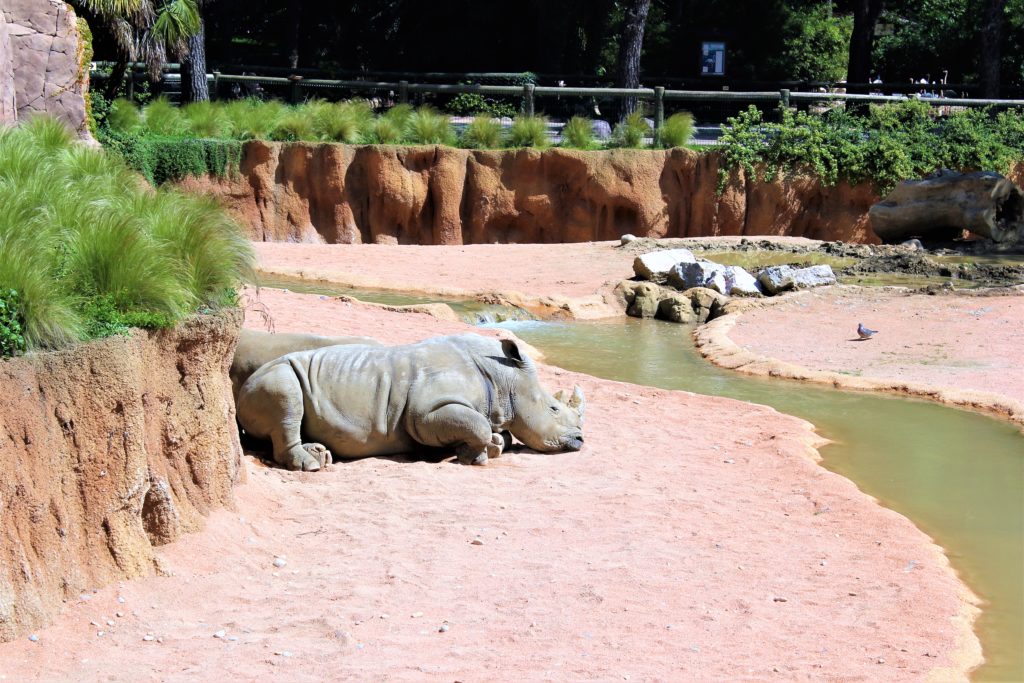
x,y
295,92
403,92
528,99
131,82
784,94
216,85
659,112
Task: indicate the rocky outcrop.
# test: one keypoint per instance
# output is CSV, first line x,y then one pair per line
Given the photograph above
x,y
8,106
46,62
440,195
107,450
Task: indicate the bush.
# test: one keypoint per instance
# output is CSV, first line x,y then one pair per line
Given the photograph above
x,y
124,117
252,119
631,131
163,118
87,250
676,130
427,126
579,133
529,131
483,133
206,120
161,159
293,125
348,122
471,103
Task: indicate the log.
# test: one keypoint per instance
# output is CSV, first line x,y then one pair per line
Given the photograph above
x,y
940,206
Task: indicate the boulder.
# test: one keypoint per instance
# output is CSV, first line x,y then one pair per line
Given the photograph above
x,y
8,105
677,307
642,301
655,265
707,303
602,129
727,280
775,279
941,206
626,239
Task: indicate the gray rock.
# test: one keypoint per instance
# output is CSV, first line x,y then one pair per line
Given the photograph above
x,y
627,238
741,282
602,129
775,279
700,273
655,265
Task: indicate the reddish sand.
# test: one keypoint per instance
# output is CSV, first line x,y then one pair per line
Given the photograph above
x,y
693,537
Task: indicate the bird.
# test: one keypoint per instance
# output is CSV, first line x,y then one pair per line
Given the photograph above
x,y
864,332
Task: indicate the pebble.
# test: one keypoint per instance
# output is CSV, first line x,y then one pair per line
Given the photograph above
x,y
220,634
779,599
233,638
280,562
148,637
119,614
729,461
34,638
109,622
385,616
417,615
476,541
881,660
100,634
443,628
120,600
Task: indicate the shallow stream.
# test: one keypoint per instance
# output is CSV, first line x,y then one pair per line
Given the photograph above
x,y
959,476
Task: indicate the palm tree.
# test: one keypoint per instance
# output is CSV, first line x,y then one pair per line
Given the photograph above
x,y
145,30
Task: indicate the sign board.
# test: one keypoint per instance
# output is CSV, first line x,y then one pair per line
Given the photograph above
x,y
712,59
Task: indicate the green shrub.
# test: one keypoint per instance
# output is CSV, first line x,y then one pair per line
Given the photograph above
x,y
388,131
529,131
579,133
163,118
207,120
12,339
676,130
427,126
471,104
124,117
161,159
631,131
252,119
347,122
89,250
293,125
483,132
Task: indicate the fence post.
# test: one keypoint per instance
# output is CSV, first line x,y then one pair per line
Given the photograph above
x,y
216,85
528,99
403,92
295,92
131,82
659,112
784,94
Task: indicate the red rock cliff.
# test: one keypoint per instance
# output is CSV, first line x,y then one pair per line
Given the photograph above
x,y
440,195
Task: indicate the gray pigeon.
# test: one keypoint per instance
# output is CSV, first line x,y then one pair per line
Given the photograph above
x,y
864,332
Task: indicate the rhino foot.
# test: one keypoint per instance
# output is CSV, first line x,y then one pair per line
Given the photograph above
x,y
316,456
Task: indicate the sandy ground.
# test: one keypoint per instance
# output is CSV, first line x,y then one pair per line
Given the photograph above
x,y
955,349
693,538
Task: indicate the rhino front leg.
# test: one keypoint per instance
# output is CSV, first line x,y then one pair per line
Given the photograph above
x,y
462,427
270,406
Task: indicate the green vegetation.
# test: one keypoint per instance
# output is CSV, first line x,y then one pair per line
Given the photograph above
x,y
578,133
676,130
631,132
529,131
482,133
889,144
471,103
87,249
427,126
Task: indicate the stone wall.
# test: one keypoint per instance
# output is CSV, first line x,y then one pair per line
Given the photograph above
x,y
440,195
45,57
8,107
108,449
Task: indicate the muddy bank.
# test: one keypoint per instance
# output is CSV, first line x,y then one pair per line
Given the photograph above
x,y
109,449
329,193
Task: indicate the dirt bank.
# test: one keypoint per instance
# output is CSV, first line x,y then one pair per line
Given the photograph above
x,y
693,536
329,193
107,450
957,350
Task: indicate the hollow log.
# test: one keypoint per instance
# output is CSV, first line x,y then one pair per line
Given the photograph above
x,y
938,207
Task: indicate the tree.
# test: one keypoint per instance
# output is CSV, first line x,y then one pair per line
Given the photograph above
x,y
991,46
630,49
194,87
865,16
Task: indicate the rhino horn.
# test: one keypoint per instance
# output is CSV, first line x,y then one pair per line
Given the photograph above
x,y
576,400
560,396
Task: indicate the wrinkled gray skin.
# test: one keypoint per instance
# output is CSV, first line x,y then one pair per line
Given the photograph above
x,y
459,392
256,348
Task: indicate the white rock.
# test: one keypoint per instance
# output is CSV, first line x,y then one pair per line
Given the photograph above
x,y
655,265
627,238
775,279
280,562
699,273
741,282
220,634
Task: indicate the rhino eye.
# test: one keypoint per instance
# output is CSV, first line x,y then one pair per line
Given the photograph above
x,y
554,409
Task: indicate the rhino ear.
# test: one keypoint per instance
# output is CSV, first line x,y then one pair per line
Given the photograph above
x,y
560,396
512,351
576,400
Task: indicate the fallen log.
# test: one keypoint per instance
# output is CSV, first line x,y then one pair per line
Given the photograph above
x,y
940,206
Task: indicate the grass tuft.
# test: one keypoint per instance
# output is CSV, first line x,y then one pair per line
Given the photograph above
x,y
578,133
427,126
529,131
483,132
676,130
631,131
163,118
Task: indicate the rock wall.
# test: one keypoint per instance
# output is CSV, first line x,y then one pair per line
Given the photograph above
x,y
440,195
46,62
8,107
107,450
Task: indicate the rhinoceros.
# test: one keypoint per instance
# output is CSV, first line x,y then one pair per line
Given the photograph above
x,y
256,348
461,391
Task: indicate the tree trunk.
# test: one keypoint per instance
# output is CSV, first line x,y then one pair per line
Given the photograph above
x,y
194,87
630,47
116,78
294,32
991,46
865,16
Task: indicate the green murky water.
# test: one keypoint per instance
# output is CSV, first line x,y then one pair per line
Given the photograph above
x,y
958,475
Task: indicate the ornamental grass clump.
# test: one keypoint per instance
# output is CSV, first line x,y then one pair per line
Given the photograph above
x,y
483,132
163,118
529,131
87,248
252,119
676,130
348,122
427,126
207,120
295,124
578,133
631,131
